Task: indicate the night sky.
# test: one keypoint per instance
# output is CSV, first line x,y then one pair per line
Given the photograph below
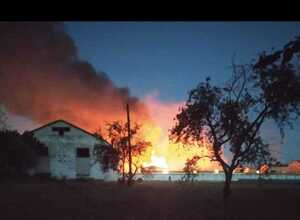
x,y
171,58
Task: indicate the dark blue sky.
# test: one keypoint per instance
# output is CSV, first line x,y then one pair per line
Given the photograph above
x,y
172,57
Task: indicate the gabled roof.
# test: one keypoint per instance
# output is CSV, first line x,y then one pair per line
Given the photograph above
x,y
72,125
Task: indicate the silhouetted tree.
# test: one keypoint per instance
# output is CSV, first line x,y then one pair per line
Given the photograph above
x,y
36,147
232,116
190,169
107,156
17,153
3,119
116,155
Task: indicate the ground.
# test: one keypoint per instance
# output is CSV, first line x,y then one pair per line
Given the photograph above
x,y
41,199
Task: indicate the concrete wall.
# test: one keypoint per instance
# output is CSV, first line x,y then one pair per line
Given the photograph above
x,y
215,177
83,166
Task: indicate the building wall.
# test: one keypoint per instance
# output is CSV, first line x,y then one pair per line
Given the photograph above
x,y
83,166
279,169
62,152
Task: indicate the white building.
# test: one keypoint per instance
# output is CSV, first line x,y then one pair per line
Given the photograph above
x,y
69,152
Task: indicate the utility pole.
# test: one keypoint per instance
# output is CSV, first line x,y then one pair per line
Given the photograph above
x,y
129,144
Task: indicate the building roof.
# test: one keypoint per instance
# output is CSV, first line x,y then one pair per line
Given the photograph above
x,y
72,125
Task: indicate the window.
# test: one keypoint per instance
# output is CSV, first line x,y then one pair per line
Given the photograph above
x,y
83,152
42,151
61,130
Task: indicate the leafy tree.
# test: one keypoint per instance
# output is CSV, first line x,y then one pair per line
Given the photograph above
x,y
190,169
231,117
107,155
3,119
36,147
116,155
17,153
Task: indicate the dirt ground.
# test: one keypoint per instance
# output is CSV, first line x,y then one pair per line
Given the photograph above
x,y
36,199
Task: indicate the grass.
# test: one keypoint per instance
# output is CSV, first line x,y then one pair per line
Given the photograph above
x,y
34,199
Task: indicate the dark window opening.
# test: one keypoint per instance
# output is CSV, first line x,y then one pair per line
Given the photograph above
x,y
42,151
83,152
61,130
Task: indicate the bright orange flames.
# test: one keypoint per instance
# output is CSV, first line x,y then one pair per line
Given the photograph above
x,y
167,155
157,161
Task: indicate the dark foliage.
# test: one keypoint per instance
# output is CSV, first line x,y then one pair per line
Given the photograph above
x,y
107,156
231,116
190,169
116,155
17,153
3,119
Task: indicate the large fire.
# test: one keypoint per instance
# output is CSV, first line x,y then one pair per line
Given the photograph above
x,y
53,82
157,161
167,155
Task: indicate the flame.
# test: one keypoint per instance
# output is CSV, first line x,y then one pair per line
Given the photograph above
x,y
165,154
247,170
159,162
264,169
63,86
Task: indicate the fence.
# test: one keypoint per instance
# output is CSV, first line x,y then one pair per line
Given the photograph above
x,y
215,177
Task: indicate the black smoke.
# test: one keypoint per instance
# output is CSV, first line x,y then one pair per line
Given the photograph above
x,y
43,79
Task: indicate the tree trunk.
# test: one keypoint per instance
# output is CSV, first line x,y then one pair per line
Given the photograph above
x,y
129,143
130,174
123,179
130,179
123,173
227,183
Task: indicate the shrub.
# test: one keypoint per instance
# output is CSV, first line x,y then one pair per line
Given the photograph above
x,y
17,153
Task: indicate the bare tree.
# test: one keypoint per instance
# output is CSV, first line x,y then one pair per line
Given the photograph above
x,y
231,117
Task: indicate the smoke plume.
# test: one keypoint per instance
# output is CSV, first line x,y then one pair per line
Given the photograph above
x,y
43,79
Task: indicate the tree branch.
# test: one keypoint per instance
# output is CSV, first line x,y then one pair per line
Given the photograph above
x,y
242,155
216,147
